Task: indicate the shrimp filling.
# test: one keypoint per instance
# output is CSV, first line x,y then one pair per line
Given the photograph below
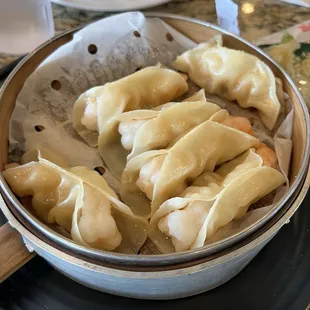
x,y
183,225
149,175
89,119
128,132
268,156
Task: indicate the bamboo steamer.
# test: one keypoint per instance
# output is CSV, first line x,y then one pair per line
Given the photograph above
x,y
147,276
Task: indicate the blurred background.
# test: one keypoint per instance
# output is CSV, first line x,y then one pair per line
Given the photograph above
x,y
25,24
251,18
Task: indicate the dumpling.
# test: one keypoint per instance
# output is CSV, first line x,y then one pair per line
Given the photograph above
x,y
40,152
233,75
142,130
164,173
169,124
93,224
95,110
198,96
213,182
80,201
214,200
129,124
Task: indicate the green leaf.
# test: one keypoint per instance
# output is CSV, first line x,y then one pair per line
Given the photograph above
x,y
287,37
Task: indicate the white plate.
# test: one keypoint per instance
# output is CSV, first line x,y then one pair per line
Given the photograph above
x,y
110,5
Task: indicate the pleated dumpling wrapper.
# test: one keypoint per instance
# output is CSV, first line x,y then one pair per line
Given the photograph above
x,y
144,130
234,75
163,174
95,110
80,201
213,201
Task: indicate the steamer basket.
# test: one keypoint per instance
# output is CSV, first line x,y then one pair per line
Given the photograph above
x,y
109,271
170,282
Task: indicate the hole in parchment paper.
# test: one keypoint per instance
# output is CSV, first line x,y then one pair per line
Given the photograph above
x,y
169,37
136,34
100,170
39,128
92,49
56,85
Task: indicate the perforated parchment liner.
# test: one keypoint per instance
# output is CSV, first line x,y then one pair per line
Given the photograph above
x,y
103,52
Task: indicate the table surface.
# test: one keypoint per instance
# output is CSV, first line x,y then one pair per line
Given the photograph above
x,y
263,17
